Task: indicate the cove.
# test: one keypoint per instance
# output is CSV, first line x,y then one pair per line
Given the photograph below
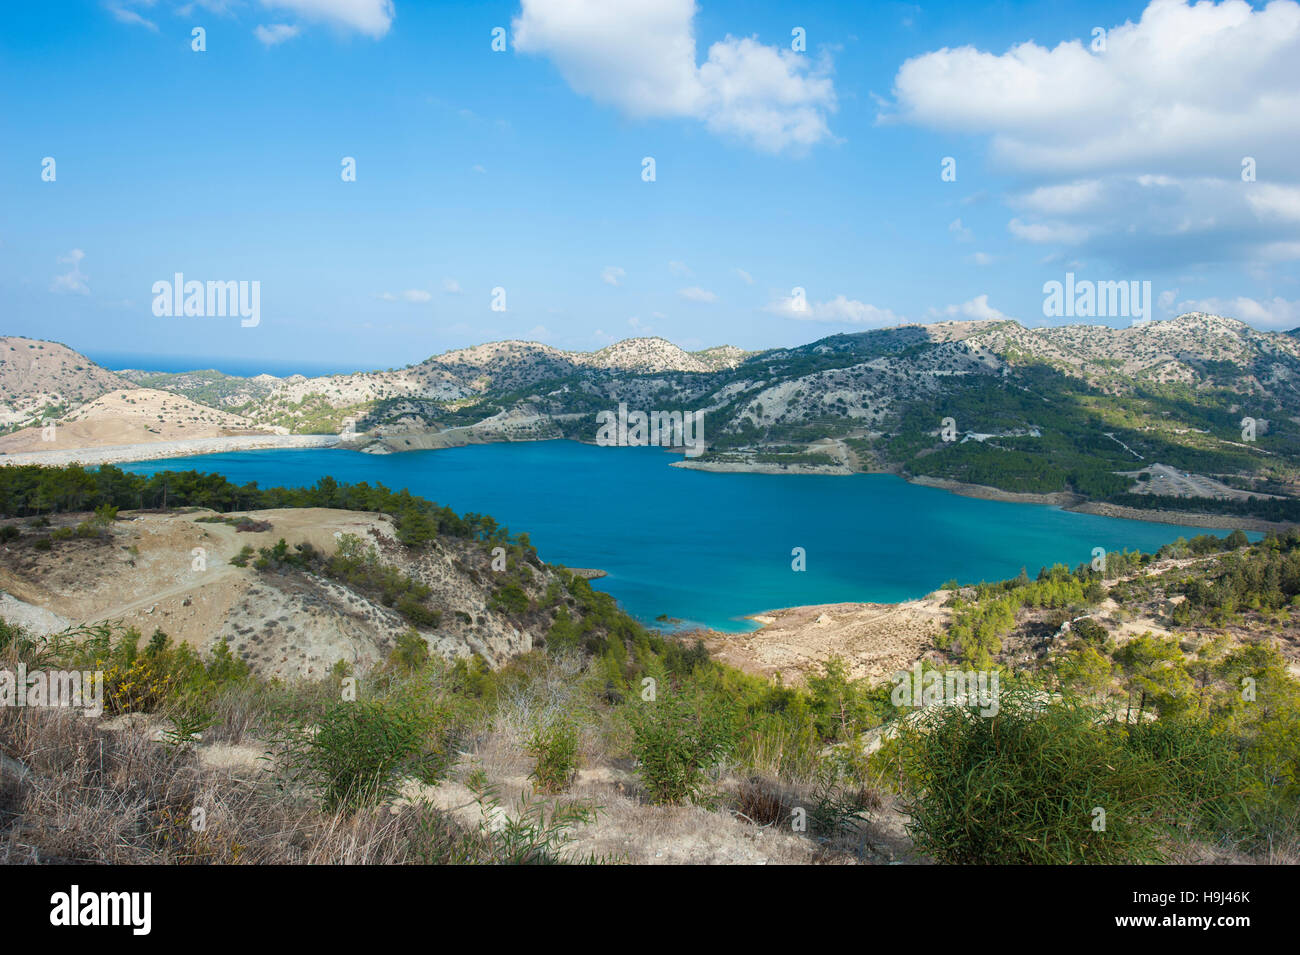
x,y
708,549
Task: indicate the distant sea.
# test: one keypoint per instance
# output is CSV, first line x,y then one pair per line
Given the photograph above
x,y
711,548
240,367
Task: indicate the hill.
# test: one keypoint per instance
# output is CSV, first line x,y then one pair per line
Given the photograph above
x,y
1082,413
40,379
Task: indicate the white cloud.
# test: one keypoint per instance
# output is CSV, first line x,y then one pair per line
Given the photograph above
x,y
839,309
1279,252
72,281
416,296
276,33
124,13
1047,232
640,56
981,258
745,276
678,268
1067,197
1273,202
612,275
1276,313
853,312
1186,83
977,309
370,17
697,294
451,286
1163,220
1134,153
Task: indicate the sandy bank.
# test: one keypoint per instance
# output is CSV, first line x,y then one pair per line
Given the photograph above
x,y
984,492
116,454
1227,522
875,640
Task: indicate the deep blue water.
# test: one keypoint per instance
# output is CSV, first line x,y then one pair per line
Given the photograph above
x,y
712,548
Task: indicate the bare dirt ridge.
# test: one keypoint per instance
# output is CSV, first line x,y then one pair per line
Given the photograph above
x,y
172,571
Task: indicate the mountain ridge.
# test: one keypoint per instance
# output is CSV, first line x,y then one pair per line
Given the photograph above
x,y
1045,410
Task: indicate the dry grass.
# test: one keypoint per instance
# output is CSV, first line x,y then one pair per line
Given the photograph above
x,y
73,791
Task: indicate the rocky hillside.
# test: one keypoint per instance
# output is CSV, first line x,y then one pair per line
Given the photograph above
x,y
1066,409
183,573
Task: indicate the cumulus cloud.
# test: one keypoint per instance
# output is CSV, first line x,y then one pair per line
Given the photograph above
x,y
745,276
640,57
697,294
839,309
1179,85
1274,203
1276,313
73,281
276,33
612,275
1163,220
853,312
977,309
1135,149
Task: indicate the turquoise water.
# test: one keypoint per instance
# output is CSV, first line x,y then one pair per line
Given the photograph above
x,y
711,548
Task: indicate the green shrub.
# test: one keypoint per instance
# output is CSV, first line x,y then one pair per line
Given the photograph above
x,y
676,741
355,753
410,653
1090,631
554,745
416,612
509,598
1023,786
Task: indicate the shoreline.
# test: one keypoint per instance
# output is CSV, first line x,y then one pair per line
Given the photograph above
x,y
1078,504
188,447
737,467
193,447
874,639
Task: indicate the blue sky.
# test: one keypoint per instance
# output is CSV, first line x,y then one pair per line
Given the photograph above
x,y
775,169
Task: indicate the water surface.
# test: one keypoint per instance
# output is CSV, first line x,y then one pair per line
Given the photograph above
x,y
712,548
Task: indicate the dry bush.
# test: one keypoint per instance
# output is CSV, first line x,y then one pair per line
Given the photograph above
x,y
72,791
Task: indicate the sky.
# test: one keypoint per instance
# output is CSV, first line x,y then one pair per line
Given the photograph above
x,y
578,172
